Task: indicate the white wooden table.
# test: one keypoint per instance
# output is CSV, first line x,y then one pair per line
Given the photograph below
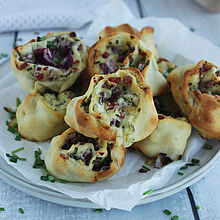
x,y
205,193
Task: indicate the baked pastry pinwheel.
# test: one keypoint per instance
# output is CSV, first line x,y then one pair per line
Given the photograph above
x,y
169,137
53,62
41,116
116,107
76,158
146,35
118,50
196,89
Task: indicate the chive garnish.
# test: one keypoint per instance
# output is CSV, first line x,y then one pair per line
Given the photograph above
x,y
62,181
19,39
148,192
43,38
2,209
198,207
21,210
167,212
18,101
146,168
98,210
175,217
190,164
18,137
39,163
19,149
21,158
3,55
44,178
56,60
44,170
180,173
208,147
184,167
12,130
14,157
36,33
195,161
51,179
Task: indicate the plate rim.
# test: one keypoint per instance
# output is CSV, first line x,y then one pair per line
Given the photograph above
x,y
47,194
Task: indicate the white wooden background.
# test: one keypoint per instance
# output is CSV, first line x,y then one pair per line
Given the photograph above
x,y
206,192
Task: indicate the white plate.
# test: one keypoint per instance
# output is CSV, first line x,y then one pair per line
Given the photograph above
x,y
15,179
191,175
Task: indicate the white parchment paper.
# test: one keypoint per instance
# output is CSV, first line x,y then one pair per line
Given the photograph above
x,y
125,189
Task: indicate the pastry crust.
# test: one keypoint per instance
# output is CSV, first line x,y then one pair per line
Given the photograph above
x,y
117,107
52,62
76,158
170,138
41,117
118,50
196,89
146,35
165,66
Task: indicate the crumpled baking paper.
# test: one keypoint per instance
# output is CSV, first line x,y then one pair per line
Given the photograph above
x,y
125,189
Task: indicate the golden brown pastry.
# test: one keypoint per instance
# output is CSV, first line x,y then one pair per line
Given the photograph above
x,y
53,62
169,137
117,49
146,35
117,107
76,158
41,116
196,89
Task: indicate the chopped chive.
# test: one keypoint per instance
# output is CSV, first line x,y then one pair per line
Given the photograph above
x,y
18,101
18,137
184,167
13,159
62,181
21,210
12,130
175,217
198,207
21,158
19,39
44,170
98,210
51,179
146,168
167,212
43,38
190,164
15,125
56,60
6,122
180,173
36,33
44,178
148,192
39,150
195,161
2,209
3,55
208,147
17,150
